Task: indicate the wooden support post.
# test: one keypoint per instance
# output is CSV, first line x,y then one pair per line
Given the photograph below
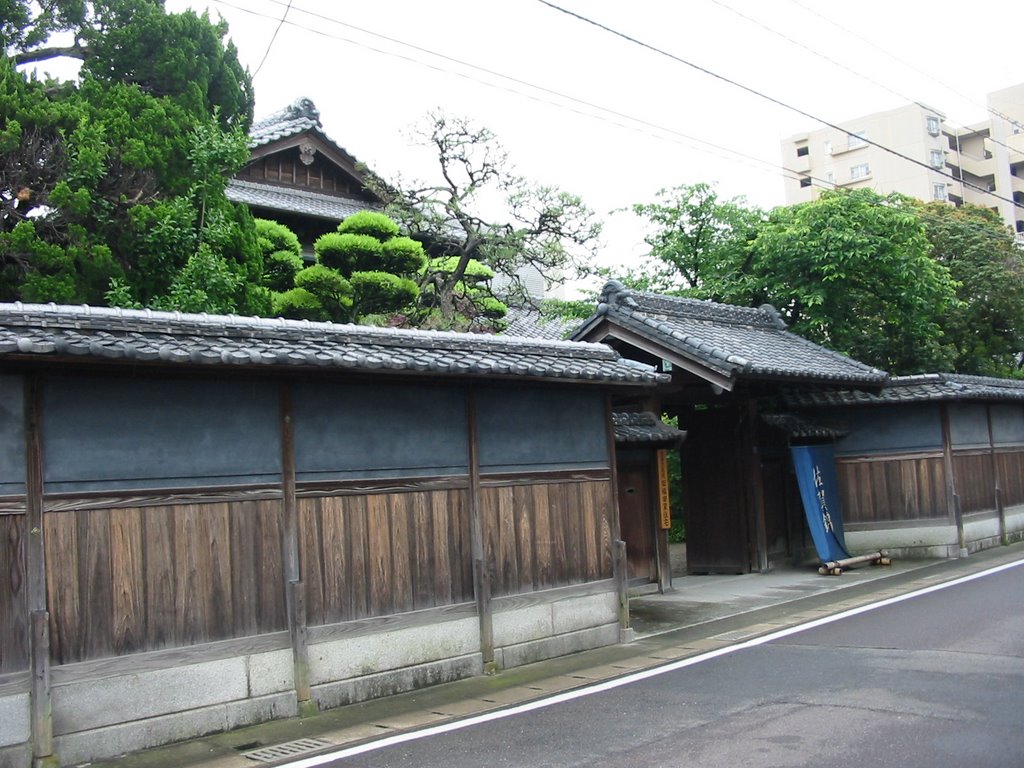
x,y
622,588
482,582
41,705
997,492
482,588
952,498
295,600
756,479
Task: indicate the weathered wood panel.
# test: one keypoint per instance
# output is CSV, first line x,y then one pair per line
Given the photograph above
x,y
132,579
1011,476
975,481
384,553
890,489
13,591
548,534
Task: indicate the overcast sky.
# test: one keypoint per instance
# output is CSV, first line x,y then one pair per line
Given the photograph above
x,y
609,119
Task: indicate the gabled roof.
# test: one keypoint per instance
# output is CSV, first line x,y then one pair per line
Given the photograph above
x,y
721,343
41,332
301,201
298,117
920,388
644,428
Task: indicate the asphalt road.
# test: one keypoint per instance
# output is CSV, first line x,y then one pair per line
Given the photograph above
x,y
937,680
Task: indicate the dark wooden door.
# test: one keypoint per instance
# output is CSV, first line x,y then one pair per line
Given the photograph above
x,y
714,508
636,521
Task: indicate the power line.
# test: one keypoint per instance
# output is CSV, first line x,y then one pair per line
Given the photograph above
x,y
272,39
688,140
839,64
709,148
772,99
908,65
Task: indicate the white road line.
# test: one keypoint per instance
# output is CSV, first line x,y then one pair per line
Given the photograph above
x,y
487,717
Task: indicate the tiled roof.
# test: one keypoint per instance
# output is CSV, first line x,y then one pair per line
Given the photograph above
x,y
644,428
803,427
920,388
528,323
48,331
276,198
732,341
301,115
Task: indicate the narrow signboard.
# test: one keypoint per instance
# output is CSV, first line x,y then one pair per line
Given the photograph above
x,y
664,505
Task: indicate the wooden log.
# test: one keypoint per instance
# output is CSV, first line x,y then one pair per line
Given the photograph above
x,y
835,567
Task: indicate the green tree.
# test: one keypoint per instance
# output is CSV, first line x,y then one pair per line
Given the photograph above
x,y
112,186
987,327
364,269
532,226
696,236
851,270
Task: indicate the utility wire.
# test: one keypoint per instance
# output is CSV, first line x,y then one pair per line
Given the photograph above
x,y
908,65
272,39
839,64
770,167
772,99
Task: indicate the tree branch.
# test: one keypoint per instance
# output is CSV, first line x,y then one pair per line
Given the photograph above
x,y
76,51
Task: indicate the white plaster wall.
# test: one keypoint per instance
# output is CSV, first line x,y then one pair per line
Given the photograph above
x,y
15,719
369,654
918,541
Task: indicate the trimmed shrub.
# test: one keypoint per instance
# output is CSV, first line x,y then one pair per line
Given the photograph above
x,y
279,270
299,304
347,253
402,256
379,292
371,223
273,237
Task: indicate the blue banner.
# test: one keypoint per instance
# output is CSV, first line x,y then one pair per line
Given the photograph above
x,y
819,490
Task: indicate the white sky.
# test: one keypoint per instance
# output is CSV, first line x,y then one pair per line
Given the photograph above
x,y
370,90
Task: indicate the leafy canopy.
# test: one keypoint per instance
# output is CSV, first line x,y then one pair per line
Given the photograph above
x,y
112,187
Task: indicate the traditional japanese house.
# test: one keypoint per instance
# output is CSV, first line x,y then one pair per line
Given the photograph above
x,y
212,521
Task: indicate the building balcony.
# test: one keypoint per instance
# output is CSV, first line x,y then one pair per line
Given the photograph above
x,y
971,165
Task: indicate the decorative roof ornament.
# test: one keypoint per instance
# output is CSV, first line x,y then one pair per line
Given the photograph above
x,y
307,151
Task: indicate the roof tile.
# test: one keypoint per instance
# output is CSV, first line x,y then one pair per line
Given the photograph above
x,y
33,331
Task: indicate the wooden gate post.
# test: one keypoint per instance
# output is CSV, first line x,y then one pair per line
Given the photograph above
x,y
621,578
481,566
295,600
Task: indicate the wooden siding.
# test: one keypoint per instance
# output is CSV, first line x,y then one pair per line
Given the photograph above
x,y
975,480
130,579
1011,475
384,553
287,169
13,591
542,535
893,488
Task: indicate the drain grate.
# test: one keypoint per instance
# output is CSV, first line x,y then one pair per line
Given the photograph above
x,y
288,749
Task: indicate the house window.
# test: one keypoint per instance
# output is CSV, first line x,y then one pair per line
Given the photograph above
x,y
805,181
828,146
937,158
856,139
933,125
939,192
830,177
860,171
802,151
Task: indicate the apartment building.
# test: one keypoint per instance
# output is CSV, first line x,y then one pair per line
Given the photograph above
x,y
981,164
